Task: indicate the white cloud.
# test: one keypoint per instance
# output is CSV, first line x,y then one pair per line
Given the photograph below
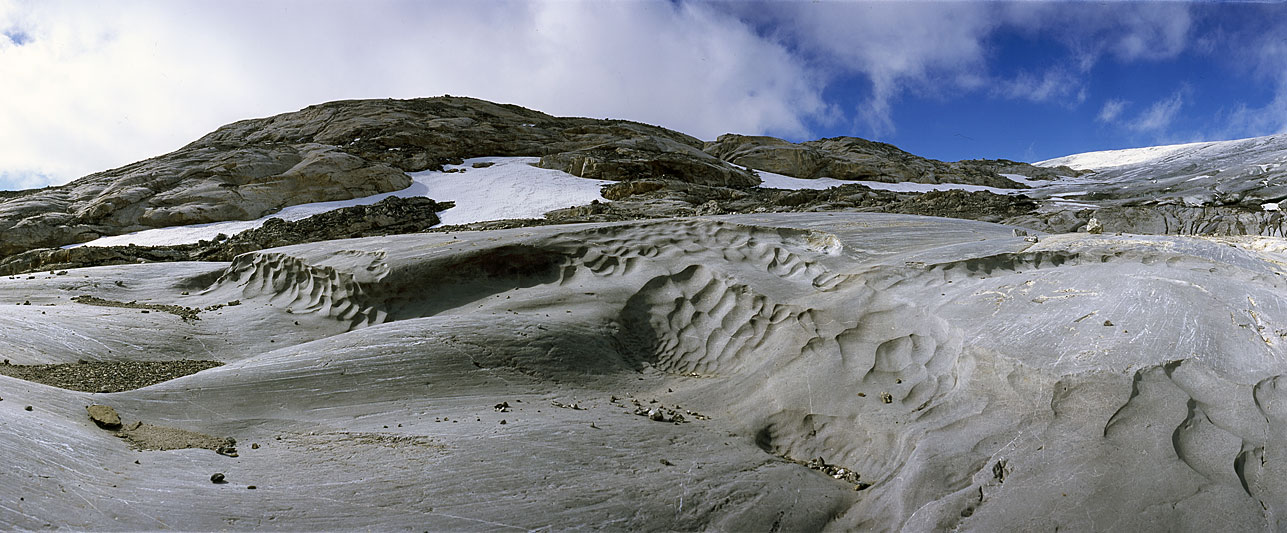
x,y
1159,116
944,49
1263,53
98,85
1112,109
1127,31
1053,85
93,85
897,47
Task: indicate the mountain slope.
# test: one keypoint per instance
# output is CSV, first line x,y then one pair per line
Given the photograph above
x,y
351,149
338,151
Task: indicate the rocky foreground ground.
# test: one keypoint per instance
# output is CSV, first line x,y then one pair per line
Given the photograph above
x,y
774,371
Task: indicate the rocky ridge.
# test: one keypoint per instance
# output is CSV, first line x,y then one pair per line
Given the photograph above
x,y
851,158
338,151
349,149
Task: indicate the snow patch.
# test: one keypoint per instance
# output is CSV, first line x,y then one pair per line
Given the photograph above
x,y
778,181
511,188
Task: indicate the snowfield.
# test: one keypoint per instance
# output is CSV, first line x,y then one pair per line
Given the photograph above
x,y
1117,158
511,188
1171,153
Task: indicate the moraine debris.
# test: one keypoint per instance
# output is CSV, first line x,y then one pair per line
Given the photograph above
x,y
561,405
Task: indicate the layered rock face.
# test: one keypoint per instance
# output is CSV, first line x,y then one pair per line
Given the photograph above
x,y
338,151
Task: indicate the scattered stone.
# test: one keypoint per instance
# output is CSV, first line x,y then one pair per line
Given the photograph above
x,y
106,376
886,397
835,472
104,416
1093,226
1108,323
185,313
561,405
251,487
217,478
254,445
502,407
27,408
667,463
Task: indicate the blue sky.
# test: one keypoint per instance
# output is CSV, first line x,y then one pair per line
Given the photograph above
x,y
86,86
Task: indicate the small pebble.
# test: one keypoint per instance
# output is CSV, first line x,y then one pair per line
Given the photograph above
x,y
217,477
251,487
27,408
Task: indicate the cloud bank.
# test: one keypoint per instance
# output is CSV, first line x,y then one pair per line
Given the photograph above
x,y
90,86
94,85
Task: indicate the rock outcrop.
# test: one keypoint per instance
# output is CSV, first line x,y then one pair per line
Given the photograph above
x,y
392,215
1160,220
202,182
851,158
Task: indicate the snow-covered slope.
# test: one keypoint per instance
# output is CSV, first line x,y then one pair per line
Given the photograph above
x,y
1248,173
1116,158
510,188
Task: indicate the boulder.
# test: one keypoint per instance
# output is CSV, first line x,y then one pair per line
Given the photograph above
x,y
104,416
